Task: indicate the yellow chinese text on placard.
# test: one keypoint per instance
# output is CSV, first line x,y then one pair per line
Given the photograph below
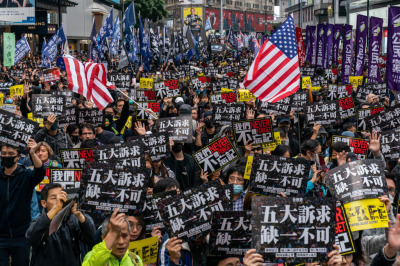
x,y
272,145
366,214
1,98
246,95
146,249
306,81
226,90
356,80
16,90
249,165
146,83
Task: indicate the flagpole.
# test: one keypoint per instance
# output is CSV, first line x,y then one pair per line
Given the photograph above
x,y
144,109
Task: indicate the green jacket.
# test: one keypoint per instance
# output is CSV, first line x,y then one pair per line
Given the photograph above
x,y
101,256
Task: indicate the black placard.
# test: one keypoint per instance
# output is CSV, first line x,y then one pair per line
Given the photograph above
x,y
46,104
179,128
225,114
258,131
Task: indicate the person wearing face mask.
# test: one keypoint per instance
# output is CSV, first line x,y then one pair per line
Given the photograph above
x,y
16,189
54,136
73,133
208,132
116,123
286,137
235,176
187,172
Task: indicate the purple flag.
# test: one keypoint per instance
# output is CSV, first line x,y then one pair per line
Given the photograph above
x,y
347,55
312,43
361,38
375,38
337,34
393,54
320,45
328,44
309,44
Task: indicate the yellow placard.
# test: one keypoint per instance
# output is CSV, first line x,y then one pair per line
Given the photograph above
x,y
305,81
30,116
315,88
245,95
146,83
272,146
223,64
146,249
128,123
226,90
356,80
1,98
16,90
249,165
39,121
366,214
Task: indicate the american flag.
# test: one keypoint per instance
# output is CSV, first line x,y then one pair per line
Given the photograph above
x,y
275,72
89,80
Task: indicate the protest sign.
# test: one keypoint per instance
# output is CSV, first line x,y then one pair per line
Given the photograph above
x,y
45,180
324,113
366,214
145,95
357,146
299,100
357,180
331,73
51,74
224,114
188,215
307,71
272,145
16,130
156,145
5,87
16,90
318,82
233,84
229,97
390,144
69,178
249,165
346,108
125,154
281,107
8,107
75,158
141,114
363,113
200,82
274,174
121,80
45,104
179,128
379,89
377,122
151,213
343,236
93,116
17,73
336,92
257,131
277,223
305,82
146,249
246,95
230,233
168,88
219,84
107,187
356,81
146,83
215,155
69,95
1,98
69,116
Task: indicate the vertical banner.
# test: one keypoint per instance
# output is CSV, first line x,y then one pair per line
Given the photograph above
x,y
8,49
328,44
300,46
308,43
312,43
361,39
347,54
320,45
337,33
393,55
375,38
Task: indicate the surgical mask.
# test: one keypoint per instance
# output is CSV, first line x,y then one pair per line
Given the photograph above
x,y
119,111
237,189
285,142
321,140
131,102
178,147
8,162
9,101
173,115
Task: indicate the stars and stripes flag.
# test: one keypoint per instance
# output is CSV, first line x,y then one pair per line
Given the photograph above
x,y
275,73
89,80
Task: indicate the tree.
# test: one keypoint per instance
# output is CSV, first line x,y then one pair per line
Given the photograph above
x,y
154,10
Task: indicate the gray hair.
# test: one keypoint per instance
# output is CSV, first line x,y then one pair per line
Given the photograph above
x,y
104,226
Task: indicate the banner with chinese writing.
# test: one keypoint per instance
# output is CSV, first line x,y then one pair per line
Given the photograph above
x,y
337,34
156,145
179,128
69,178
343,238
45,104
375,39
168,88
257,131
8,49
300,46
361,43
225,114
75,158
51,74
393,46
347,54
125,154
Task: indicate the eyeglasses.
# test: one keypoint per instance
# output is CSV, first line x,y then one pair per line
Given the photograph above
x,y
138,227
236,180
87,133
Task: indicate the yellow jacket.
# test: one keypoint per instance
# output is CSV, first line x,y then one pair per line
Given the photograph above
x,y
101,256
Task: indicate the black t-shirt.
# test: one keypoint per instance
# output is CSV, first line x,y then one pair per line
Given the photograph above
x,y
181,175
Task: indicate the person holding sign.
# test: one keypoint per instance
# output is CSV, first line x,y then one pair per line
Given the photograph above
x,y
113,250
16,188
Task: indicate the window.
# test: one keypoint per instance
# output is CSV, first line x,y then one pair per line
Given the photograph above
x,y
256,6
270,8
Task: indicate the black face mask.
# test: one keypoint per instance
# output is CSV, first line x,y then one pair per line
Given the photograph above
x,y
8,162
335,162
209,123
178,147
108,120
285,129
75,139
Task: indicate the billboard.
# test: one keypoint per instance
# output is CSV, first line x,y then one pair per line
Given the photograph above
x,y
240,21
193,17
18,12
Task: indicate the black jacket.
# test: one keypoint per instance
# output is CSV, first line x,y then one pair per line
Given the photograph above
x,y
15,200
62,247
58,142
193,171
381,260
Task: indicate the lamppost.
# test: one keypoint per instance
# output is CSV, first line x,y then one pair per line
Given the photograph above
x,y
221,21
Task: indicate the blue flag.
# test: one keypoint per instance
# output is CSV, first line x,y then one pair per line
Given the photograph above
x,y
21,49
128,21
92,54
232,38
191,52
208,24
45,61
144,46
50,51
116,36
105,31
